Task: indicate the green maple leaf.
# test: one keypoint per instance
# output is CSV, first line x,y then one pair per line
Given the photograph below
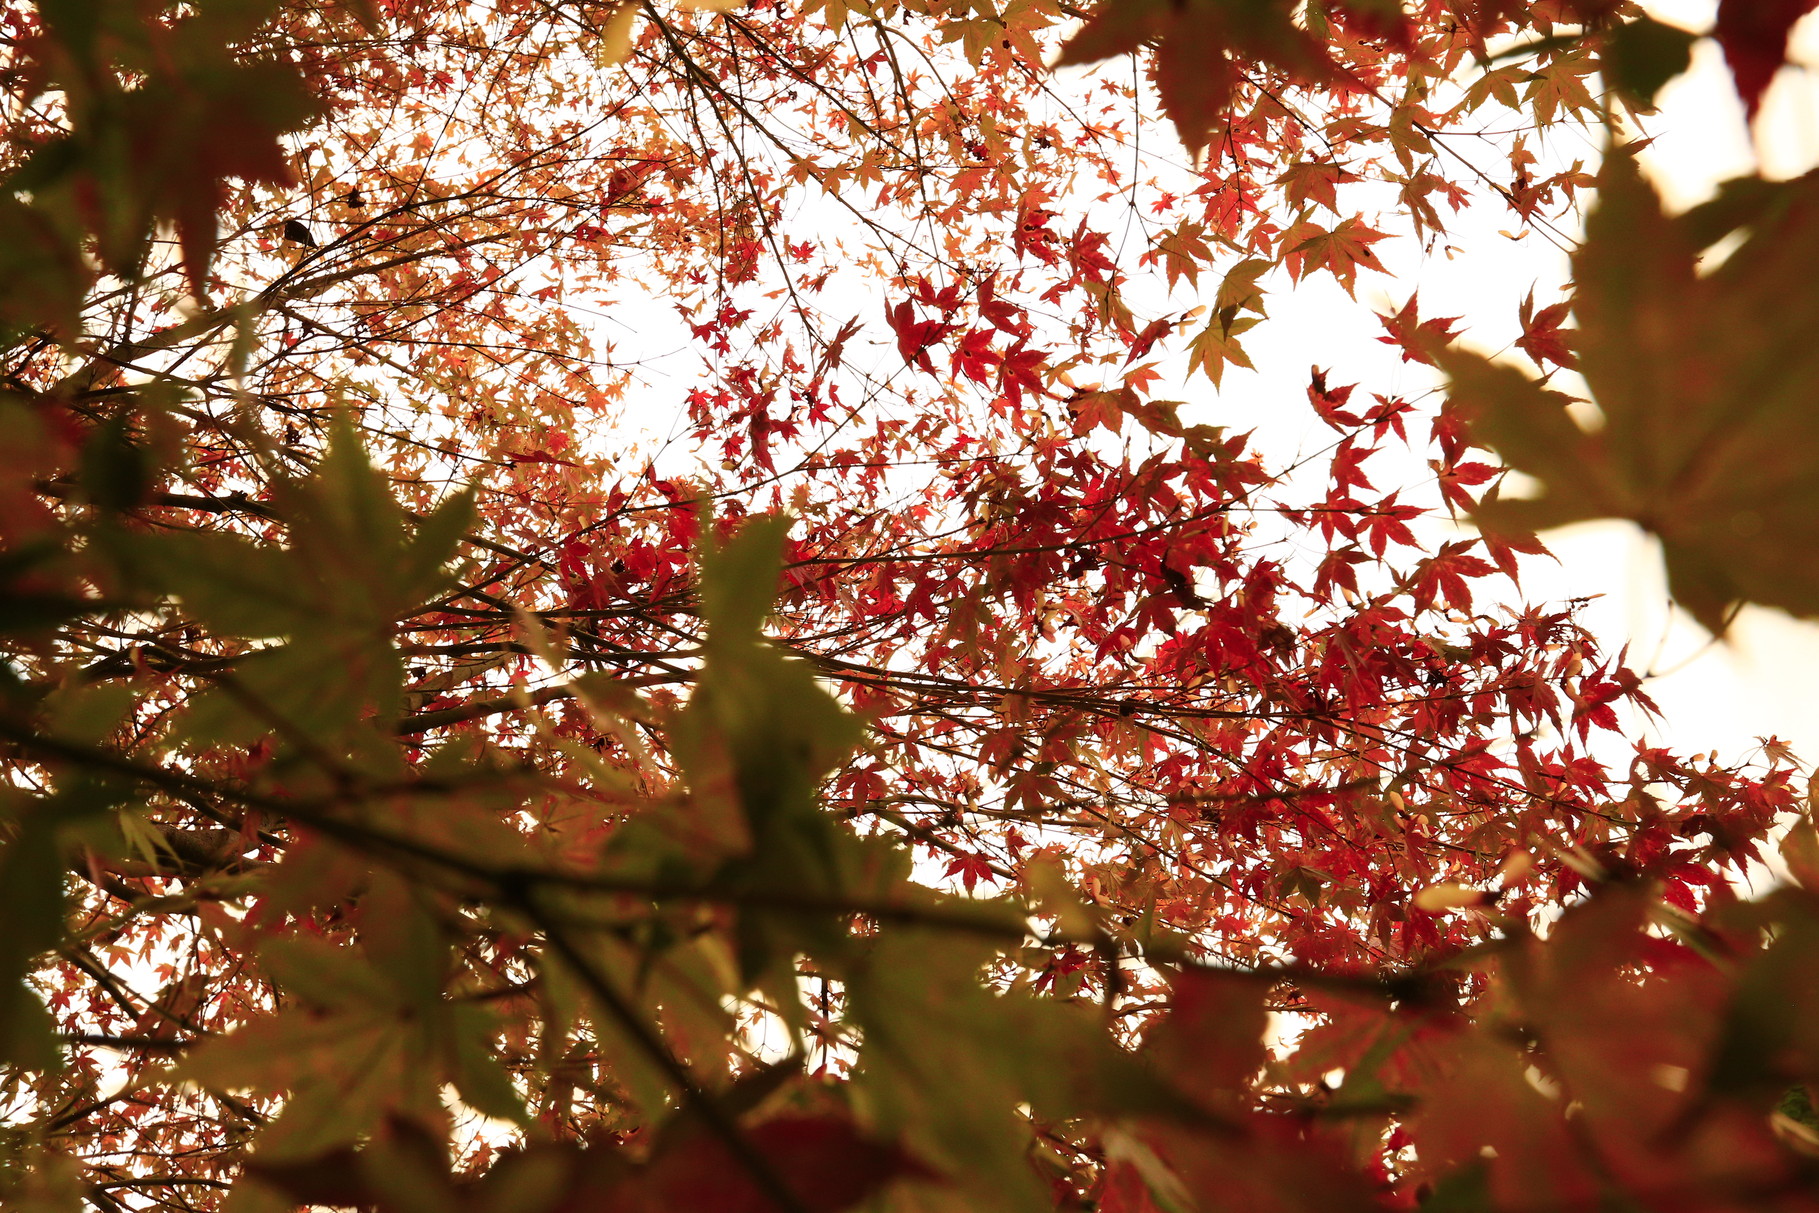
x,y
1707,384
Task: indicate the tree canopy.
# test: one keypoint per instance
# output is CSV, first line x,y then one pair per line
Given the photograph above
x,y
627,605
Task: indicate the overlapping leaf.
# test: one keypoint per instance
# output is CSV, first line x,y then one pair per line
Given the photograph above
x,y
1704,377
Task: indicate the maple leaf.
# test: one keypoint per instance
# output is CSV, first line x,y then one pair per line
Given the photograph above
x,y
1093,409
834,353
1642,55
1032,237
1217,345
1388,524
971,869
1379,19
1018,372
1705,385
296,233
1182,252
1454,480
1239,289
1339,251
1314,181
1419,339
1543,338
914,337
1199,48
1754,36
1001,315
1504,549
539,456
1146,340
1142,378
1338,570
1444,576
974,356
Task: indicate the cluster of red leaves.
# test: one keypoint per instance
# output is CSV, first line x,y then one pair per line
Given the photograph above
x,y
1247,716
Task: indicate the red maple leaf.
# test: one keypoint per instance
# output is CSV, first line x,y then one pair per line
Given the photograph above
x,y
1017,374
1418,338
1003,316
971,869
974,357
1153,332
1542,337
914,336
1340,251
1444,575
1754,36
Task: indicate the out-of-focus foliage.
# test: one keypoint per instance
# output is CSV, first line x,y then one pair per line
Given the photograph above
x,y
1704,381
922,769
121,123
